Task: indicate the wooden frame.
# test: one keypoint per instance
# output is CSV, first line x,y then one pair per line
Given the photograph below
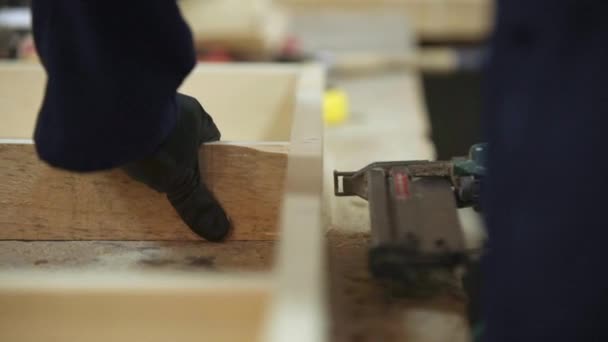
x,y
284,304
247,176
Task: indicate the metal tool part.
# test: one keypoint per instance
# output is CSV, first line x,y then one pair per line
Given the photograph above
x,y
412,204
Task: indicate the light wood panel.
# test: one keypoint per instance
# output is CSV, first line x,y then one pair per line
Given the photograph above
x,y
41,203
287,304
436,60
248,103
127,307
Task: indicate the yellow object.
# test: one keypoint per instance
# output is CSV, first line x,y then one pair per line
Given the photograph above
x,y
335,107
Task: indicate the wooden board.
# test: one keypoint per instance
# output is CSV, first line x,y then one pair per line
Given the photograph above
x,y
134,306
107,305
43,203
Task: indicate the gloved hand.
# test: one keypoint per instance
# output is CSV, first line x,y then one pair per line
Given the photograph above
x,y
174,170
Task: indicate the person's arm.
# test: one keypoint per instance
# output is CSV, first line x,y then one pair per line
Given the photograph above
x,y
544,198
113,70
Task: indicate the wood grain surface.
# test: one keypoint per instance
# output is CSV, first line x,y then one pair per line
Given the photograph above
x,y
41,203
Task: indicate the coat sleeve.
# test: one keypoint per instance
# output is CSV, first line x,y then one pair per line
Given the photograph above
x,y
113,70
545,197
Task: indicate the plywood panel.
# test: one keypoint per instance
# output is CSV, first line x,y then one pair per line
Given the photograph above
x,y
248,103
101,307
42,203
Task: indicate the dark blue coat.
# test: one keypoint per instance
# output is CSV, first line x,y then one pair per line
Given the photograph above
x,y
113,67
546,201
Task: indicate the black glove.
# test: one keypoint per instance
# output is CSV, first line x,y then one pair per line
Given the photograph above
x,y
174,170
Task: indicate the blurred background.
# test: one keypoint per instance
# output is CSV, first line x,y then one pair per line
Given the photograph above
x,y
403,83
439,41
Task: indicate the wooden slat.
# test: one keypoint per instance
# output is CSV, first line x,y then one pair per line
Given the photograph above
x,y
248,103
42,203
299,304
127,307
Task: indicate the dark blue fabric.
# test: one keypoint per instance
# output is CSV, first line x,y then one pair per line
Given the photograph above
x,y
546,274
113,69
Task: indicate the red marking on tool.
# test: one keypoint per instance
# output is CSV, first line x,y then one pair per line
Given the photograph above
x,y
402,185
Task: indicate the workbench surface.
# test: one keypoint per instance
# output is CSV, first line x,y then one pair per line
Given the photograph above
x,y
387,122
362,309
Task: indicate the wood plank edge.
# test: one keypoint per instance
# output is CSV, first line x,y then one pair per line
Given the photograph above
x,y
299,303
172,281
